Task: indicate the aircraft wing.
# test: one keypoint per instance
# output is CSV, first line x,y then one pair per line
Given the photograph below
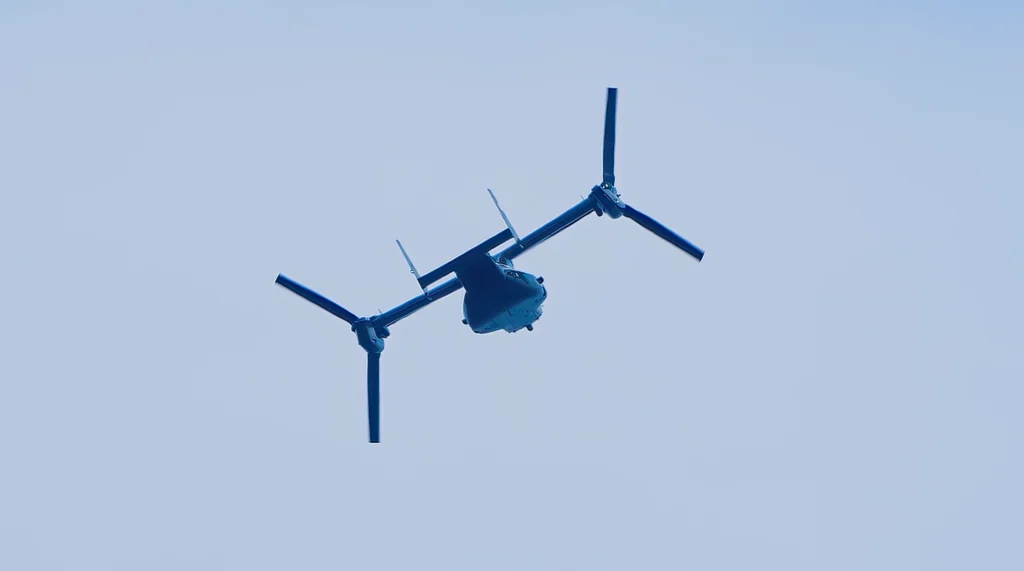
x,y
563,221
559,223
396,314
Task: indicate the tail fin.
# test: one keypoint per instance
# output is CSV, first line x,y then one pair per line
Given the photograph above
x,y
504,217
412,268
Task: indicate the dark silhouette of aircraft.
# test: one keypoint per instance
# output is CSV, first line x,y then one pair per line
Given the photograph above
x,y
498,297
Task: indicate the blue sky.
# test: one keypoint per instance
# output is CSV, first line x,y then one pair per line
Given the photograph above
x,y
836,385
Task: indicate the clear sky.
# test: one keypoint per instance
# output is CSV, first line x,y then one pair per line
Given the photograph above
x,y
836,386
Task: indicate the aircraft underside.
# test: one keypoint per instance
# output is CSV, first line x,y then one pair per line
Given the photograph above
x,y
485,318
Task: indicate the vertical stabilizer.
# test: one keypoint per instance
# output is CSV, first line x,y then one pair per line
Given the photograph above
x,y
412,268
504,217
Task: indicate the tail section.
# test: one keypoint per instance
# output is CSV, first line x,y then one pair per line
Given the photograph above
x,y
471,257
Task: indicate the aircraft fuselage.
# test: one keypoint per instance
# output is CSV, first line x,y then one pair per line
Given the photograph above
x,y
501,298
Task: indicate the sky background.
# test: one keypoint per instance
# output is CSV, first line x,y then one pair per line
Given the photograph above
x,y
836,386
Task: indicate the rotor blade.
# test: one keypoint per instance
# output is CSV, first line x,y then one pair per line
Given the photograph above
x,y
609,135
373,394
316,298
666,234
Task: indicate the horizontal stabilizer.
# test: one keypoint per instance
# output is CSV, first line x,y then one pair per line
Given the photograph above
x,y
483,248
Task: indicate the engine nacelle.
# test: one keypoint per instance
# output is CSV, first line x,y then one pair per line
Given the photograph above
x,y
607,201
370,335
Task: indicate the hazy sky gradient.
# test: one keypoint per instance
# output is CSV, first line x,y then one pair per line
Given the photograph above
x,y
836,386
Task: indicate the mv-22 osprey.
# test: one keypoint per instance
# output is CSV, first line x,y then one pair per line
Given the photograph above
x,y
498,297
